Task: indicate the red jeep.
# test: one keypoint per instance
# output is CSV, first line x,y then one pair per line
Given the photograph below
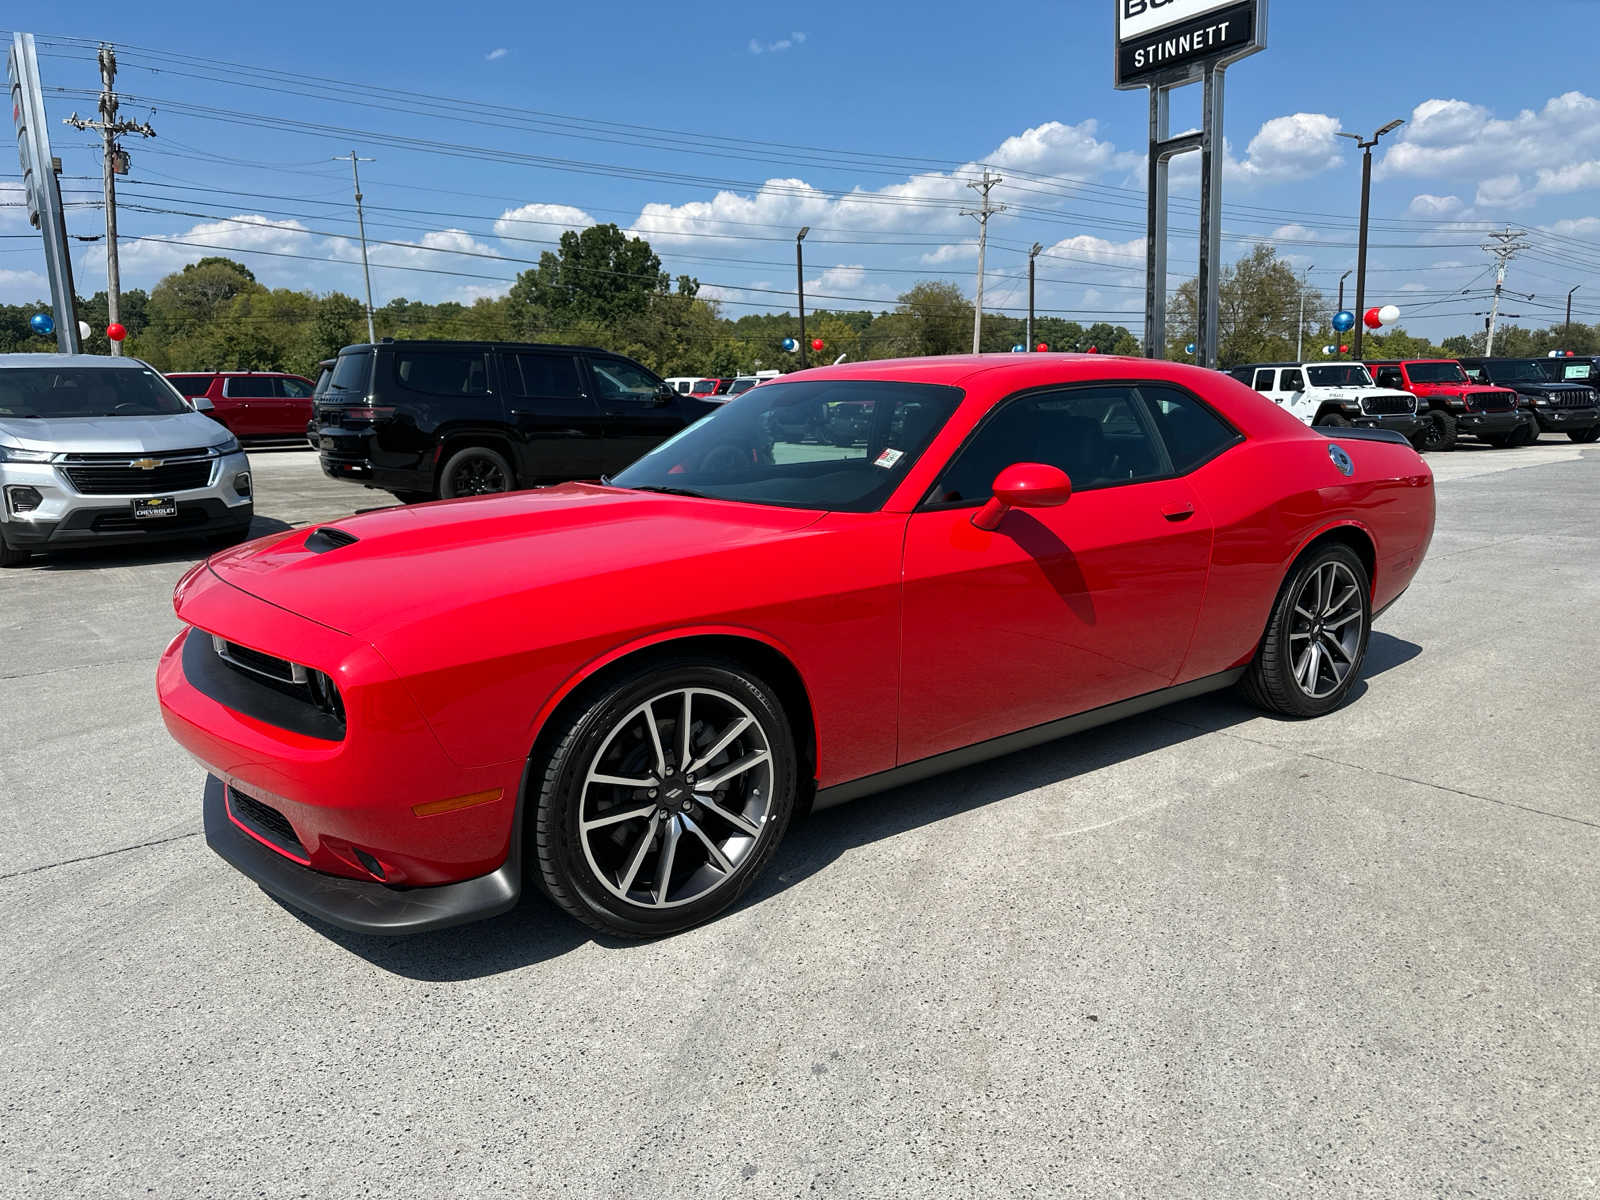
x,y
251,403
1451,404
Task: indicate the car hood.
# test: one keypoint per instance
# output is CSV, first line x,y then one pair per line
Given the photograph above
x,y
424,561
111,435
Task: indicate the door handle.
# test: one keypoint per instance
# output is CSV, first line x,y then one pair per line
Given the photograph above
x,y
1177,510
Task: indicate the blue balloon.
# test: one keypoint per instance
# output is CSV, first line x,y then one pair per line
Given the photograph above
x,y
1330,349
790,345
41,324
1344,320
1189,349
1019,349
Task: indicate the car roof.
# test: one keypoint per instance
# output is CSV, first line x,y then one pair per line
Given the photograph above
x,y
459,343
1013,371
70,360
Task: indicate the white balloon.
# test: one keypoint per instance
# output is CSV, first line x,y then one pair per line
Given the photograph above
x,y
1388,314
83,329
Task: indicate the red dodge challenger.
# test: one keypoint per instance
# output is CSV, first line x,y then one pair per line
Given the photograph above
x,y
839,582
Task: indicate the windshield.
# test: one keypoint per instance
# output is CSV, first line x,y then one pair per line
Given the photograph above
x,y
87,392
1582,372
1436,372
1342,375
840,445
705,387
740,386
351,378
1518,370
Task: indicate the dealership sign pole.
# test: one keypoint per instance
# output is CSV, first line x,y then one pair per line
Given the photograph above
x,y
1161,45
41,190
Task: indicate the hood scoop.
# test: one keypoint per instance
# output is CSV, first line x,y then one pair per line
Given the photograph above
x,y
328,538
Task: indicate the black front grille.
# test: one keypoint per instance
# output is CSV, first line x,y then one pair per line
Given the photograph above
x,y
1583,399
1492,401
265,820
121,457
1385,406
189,517
108,480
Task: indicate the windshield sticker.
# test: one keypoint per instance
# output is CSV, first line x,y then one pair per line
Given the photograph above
x,y
888,458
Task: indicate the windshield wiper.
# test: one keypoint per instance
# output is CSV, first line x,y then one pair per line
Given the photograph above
x,y
671,491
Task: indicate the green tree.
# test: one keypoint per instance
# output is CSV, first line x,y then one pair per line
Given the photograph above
x,y
1257,312
938,320
598,274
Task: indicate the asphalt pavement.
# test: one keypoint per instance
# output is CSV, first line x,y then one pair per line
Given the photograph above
x,y
1199,953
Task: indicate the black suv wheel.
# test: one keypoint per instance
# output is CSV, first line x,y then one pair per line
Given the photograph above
x,y
475,471
1438,432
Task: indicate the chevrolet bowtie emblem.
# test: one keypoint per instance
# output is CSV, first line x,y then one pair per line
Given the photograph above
x,y
146,464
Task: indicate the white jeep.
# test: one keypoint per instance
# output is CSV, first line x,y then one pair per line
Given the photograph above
x,y
1333,394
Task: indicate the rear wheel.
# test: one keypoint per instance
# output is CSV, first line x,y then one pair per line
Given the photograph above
x,y
665,797
475,471
1316,637
1585,436
1438,432
1333,420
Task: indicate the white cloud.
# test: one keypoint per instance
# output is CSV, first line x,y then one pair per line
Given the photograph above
x,y
1574,177
541,222
757,46
496,54
1292,147
1503,192
1426,204
951,252
1452,138
22,287
1576,227
1085,247
1293,233
156,255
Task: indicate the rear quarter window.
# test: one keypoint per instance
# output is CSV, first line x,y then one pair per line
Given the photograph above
x,y
443,372
191,385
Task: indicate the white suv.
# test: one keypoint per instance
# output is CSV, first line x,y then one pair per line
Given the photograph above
x,y
1333,395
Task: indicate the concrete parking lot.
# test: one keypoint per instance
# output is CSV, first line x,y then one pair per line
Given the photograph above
x,y
1198,953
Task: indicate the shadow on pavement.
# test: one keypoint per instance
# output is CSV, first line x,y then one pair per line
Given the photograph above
x,y
536,931
186,548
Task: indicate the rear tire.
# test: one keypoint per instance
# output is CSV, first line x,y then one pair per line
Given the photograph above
x,y
475,471
1316,637
12,556
1334,421
1531,431
623,828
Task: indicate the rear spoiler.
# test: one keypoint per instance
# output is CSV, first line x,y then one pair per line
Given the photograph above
x,y
1359,433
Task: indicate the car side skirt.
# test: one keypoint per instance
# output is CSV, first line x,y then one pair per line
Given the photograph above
x,y
938,764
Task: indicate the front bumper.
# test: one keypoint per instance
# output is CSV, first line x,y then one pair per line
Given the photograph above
x,y
1404,424
1487,422
65,517
361,906
1565,420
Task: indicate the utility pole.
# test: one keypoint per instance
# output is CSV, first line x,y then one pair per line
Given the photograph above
x,y
1504,246
1300,329
800,287
983,213
361,224
1032,254
1366,145
1342,278
115,163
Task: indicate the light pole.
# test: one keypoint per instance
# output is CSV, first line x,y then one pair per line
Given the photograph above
x,y
361,225
1034,253
800,287
1566,329
1300,329
1366,145
1342,278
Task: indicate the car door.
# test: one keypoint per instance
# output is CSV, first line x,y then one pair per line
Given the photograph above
x,y
1056,611
638,415
560,432
294,404
1292,387
251,404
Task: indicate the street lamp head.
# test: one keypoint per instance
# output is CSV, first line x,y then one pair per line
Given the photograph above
x,y
801,236
1038,247
1389,128
1354,137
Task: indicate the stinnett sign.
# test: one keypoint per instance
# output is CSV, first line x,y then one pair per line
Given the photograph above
x,y
1166,41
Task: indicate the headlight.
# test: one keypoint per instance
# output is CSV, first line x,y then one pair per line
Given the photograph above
x,y
11,454
231,446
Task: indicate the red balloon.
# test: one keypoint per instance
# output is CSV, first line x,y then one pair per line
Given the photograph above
x,y
1094,349
816,343
1371,319
1569,353
116,332
1042,347
1344,349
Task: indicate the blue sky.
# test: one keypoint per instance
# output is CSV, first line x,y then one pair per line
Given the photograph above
x,y
896,106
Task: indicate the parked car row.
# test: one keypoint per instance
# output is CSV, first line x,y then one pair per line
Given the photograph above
x,y
1435,401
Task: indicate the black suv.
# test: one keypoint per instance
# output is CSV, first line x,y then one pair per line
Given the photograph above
x,y
1556,405
426,419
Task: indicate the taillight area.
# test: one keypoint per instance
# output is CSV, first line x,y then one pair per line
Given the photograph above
x,y
368,412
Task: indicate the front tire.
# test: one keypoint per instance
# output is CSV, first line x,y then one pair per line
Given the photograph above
x,y
1438,434
1316,638
665,797
1584,436
1334,420
475,471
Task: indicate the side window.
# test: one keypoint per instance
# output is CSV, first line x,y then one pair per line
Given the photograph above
x,y
1390,377
552,376
1293,381
1476,374
1265,379
191,385
295,389
248,387
620,381
1099,436
1193,434
443,373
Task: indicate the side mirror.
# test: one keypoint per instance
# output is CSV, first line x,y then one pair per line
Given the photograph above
x,y
1024,485
666,394
202,404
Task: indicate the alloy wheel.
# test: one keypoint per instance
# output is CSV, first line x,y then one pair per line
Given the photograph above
x,y
478,477
676,798
1326,629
